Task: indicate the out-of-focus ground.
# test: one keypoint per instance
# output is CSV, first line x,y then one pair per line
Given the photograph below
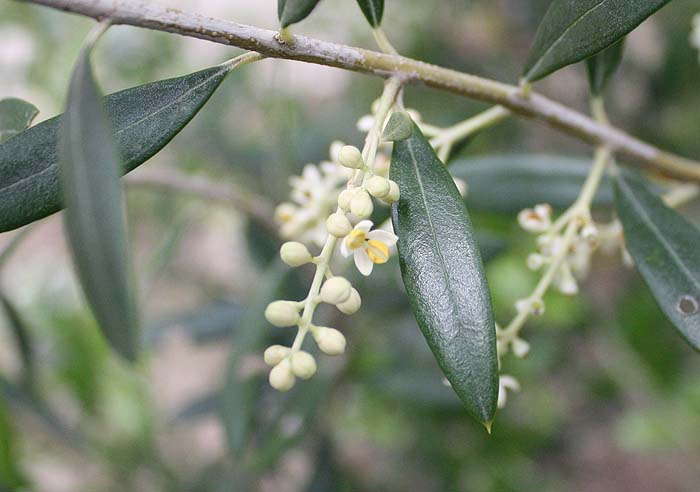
x,y
610,395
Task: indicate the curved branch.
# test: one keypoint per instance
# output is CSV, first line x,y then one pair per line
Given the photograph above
x,y
538,107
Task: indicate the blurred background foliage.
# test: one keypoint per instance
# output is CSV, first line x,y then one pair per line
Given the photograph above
x,y
611,395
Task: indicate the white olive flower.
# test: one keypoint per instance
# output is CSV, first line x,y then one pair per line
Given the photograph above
x,y
368,247
538,219
506,383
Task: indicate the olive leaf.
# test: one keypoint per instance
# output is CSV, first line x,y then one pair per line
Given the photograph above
x,y
602,67
664,246
373,10
508,183
292,11
573,30
15,115
444,275
94,217
143,119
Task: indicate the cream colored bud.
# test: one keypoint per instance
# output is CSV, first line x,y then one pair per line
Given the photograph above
x,y
336,147
394,193
345,198
282,313
274,354
378,187
295,254
303,365
520,348
281,376
352,305
351,157
285,212
336,290
535,261
537,307
330,340
361,205
338,225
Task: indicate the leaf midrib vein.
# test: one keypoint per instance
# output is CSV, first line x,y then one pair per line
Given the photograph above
x,y
118,132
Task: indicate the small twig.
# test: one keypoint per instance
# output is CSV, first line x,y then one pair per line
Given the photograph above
x,y
152,15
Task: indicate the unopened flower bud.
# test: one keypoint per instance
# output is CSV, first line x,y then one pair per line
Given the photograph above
x,y
336,290
351,157
303,365
352,305
282,313
361,205
281,376
338,225
330,340
537,307
274,354
535,261
295,254
566,282
336,147
520,348
285,212
378,187
365,123
394,193
345,198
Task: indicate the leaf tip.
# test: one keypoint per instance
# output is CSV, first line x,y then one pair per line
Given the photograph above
x,y
399,127
488,425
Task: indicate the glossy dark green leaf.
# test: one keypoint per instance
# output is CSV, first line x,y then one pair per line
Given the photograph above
x,y
602,67
94,216
15,116
397,128
373,10
573,30
292,11
444,275
144,119
664,246
511,182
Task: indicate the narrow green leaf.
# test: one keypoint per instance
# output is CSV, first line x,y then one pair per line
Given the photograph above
x,y
399,127
292,11
444,275
373,10
22,337
509,183
94,217
144,119
602,67
15,116
573,30
664,246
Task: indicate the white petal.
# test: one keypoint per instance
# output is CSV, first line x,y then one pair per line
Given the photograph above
x,y
363,263
344,250
364,225
383,236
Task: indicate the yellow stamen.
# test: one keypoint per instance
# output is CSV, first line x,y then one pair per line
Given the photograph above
x,y
377,251
356,239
